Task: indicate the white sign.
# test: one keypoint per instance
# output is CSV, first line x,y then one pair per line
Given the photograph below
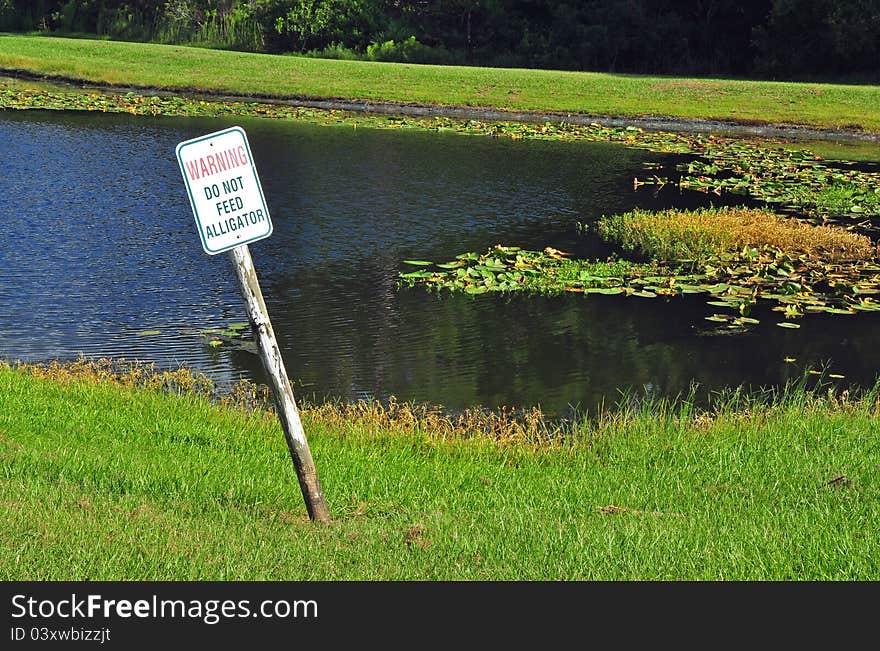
x,y
224,190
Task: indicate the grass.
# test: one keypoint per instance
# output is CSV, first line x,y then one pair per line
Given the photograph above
x,y
695,235
178,68
106,481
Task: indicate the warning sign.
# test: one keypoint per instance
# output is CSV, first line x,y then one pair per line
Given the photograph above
x,y
224,190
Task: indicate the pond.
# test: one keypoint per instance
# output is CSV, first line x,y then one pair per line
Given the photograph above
x,y
100,257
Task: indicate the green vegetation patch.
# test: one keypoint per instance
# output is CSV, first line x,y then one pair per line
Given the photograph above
x,y
797,267
103,481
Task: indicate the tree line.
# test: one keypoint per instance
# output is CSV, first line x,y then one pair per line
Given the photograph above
x,y
781,39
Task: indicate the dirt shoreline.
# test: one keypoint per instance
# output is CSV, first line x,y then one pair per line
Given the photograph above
x,y
652,123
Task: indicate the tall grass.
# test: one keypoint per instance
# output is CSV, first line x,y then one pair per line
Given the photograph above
x,y
675,234
231,30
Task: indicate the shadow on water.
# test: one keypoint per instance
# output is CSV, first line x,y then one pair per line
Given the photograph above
x,y
101,248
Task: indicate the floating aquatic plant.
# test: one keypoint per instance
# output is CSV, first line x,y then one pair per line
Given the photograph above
x,y
233,336
788,179
797,268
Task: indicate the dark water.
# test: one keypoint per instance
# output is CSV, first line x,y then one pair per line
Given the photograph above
x,y
99,245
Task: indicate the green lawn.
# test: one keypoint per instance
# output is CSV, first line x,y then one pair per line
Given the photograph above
x,y
101,482
184,68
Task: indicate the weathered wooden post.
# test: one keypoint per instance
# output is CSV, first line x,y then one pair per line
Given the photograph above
x,y
284,400
230,211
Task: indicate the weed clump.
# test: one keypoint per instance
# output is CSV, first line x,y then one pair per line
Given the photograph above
x,y
503,425
134,374
700,234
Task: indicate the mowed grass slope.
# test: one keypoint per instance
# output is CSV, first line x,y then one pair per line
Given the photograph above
x,y
105,482
178,68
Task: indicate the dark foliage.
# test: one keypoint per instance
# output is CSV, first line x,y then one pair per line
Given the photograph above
x,y
793,39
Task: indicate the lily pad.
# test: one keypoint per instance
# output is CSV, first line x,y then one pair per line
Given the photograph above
x,y
835,310
604,290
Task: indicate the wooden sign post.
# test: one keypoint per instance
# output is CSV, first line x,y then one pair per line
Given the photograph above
x,y
285,403
230,212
